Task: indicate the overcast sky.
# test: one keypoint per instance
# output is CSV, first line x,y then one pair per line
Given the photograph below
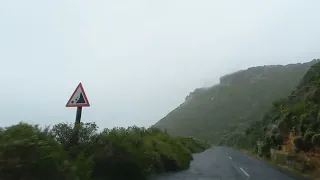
x,y
138,59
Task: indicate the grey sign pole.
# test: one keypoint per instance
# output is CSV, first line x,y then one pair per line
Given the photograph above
x,y
78,99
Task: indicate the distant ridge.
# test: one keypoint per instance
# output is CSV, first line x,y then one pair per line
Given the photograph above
x,y
223,111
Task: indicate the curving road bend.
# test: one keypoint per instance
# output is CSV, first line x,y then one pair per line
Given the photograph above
x,y
221,163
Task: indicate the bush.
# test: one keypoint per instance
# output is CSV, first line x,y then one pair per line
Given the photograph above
x,y
298,142
279,102
276,140
145,152
62,132
263,147
307,165
308,139
316,140
29,152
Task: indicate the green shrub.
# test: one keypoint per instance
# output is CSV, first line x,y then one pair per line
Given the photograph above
x,y
316,140
298,142
276,140
28,152
308,139
81,168
62,132
307,165
263,147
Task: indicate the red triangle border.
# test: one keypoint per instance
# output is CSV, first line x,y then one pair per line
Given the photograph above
x,y
84,96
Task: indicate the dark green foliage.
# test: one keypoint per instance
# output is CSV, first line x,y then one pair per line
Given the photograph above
x,y
32,153
298,142
222,112
307,139
263,147
29,152
299,114
316,140
276,140
62,132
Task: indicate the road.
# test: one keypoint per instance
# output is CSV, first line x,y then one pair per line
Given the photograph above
x,y
221,163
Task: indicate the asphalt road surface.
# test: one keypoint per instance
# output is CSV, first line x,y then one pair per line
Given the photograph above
x,y
221,163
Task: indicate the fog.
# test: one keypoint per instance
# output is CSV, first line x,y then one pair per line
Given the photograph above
x,y
138,59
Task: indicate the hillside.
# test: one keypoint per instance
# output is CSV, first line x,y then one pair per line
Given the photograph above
x,y
291,127
220,113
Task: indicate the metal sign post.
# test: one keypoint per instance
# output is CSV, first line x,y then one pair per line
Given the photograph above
x,y
78,99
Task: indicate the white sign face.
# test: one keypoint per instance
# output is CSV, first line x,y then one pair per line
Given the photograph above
x,y
78,98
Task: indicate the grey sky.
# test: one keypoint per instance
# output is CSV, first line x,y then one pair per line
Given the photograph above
x,y
138,59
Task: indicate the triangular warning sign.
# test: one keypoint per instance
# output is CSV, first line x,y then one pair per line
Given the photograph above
x,y
78,98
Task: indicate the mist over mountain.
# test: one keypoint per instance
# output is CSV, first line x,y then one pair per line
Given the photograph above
x,y
219,112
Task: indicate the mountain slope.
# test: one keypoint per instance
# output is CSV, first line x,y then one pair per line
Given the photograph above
x,y
218,113
291,127
298,116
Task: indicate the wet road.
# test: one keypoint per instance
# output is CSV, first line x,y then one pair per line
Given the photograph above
x,y
220,163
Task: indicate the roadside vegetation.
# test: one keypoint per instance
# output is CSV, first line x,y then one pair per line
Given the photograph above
x,y
270,111
29,152
289,133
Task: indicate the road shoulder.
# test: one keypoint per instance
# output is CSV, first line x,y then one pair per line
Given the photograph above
x,y
284,169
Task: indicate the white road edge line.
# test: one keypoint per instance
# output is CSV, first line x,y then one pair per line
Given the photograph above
x,y
244,172
230,157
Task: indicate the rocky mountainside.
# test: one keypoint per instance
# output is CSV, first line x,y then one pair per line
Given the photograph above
x,y
222,112
290,130
296,116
